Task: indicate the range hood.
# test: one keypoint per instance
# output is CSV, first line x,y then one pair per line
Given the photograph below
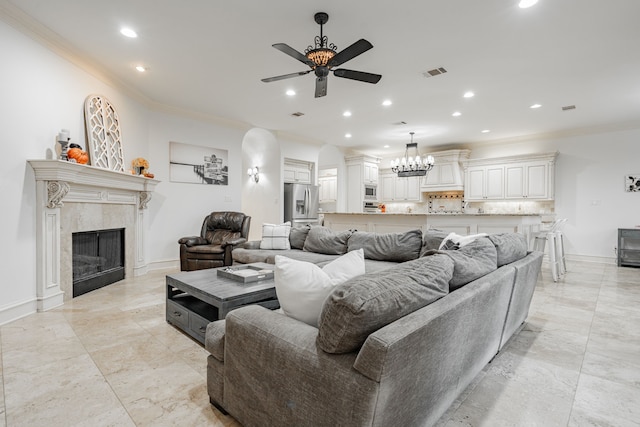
x,y
447,173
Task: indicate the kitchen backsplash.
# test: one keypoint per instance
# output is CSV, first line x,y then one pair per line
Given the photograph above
x,y
451,203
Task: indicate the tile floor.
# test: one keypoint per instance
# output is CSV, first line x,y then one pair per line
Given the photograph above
x,y
108,358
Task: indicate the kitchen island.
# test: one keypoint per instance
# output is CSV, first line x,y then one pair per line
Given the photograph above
x,y
460,223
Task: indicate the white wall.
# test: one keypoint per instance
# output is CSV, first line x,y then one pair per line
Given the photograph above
x,y
178,209
262,200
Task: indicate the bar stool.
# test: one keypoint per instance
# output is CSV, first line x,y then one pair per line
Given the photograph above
x,y
553,235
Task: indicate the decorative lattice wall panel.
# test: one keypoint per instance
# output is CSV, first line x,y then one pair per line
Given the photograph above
x,y
103,133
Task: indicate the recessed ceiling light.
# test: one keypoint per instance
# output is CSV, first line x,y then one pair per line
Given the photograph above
x,y
141,68
386,146
386,102
456,114
536,106
469,94
347,135
486,131
527,3
291,92
347,114
128,32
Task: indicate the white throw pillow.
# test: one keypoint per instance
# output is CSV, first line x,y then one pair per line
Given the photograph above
x,y
456,241
302,287
275,236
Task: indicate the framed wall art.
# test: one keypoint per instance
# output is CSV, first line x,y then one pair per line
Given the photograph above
x,y
632,182
196,164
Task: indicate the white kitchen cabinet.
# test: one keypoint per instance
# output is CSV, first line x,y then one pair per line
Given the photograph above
x,y
387,187
370,173
484,183
529,177
297,171
361,171
397,189
328,188
528,180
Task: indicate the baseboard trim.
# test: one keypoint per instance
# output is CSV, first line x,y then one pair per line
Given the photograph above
x,y
164,265
593,259
12,312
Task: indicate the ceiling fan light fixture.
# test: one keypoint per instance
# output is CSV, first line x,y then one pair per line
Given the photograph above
x,y
321,56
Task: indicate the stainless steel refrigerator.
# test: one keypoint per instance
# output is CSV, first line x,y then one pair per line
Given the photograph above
x,y
301,204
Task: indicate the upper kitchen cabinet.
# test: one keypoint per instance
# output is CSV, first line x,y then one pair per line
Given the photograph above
x,y
528,177
298,171
370,172
484,183
399,189
447,173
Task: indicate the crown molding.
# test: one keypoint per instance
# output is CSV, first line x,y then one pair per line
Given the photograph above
x,y
590,130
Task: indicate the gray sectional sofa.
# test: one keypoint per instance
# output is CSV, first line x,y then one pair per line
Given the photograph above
x,y
393,347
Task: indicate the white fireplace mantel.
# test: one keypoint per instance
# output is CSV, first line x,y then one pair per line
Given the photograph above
x,y
60,181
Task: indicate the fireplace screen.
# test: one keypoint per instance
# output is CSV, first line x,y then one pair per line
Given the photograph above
x,y
97,258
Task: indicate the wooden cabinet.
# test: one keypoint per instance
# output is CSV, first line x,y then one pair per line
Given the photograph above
x,y
395,189
298,171
510,178
628,247
328,188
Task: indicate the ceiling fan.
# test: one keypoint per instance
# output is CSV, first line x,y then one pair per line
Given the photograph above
x,y
322,58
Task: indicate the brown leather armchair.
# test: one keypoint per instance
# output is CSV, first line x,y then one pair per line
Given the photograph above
x,y
221,232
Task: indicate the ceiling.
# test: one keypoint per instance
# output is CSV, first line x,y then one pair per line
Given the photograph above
x,y
207,57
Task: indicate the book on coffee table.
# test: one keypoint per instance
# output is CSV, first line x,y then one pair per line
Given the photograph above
x,y
246,273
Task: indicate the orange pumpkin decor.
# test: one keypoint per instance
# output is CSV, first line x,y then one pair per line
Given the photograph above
x,y
80,156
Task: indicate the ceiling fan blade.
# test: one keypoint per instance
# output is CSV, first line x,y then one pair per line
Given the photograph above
x,y
321,86
357,75
350,52
285,48
285,76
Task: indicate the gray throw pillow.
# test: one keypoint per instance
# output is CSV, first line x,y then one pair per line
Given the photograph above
x,y
366,303
298,235
510,247
472,261
431,240
397,247
323,240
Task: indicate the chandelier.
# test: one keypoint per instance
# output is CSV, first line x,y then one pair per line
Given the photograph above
x,y
412,165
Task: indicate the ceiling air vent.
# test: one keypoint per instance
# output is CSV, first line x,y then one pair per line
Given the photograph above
x,y
568,107
297,114
434,72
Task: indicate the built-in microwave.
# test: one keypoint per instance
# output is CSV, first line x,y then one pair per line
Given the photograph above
x,y
370,192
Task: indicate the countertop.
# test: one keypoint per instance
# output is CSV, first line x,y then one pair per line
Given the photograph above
x,y
431,214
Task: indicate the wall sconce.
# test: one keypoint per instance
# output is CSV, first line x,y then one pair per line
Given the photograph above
x,y
254,173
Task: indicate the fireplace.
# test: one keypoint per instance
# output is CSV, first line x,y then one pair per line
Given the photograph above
x,y
75,199
97,259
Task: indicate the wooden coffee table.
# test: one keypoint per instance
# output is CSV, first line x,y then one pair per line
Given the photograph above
x,y
196,298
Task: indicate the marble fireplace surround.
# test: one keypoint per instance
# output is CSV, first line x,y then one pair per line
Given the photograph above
x,y
71,198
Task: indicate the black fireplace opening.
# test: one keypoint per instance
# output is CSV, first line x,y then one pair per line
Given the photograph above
x,y
97,259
